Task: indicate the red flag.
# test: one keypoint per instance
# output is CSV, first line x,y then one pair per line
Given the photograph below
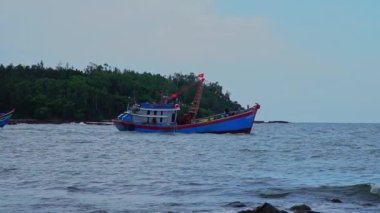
x,y
173,95
201,75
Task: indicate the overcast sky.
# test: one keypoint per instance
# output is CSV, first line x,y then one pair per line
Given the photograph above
x,y
303,61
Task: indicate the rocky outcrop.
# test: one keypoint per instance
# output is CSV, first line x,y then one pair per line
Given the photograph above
x,y
265,208
278,122
268,208
302,209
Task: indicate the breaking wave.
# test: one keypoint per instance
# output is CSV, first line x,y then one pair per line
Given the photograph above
x,y
375,188
366,190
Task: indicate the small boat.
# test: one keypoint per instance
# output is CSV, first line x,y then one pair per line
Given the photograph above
x,y
163,117
5,117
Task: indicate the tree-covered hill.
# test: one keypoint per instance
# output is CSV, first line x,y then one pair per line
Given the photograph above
x,y
96,93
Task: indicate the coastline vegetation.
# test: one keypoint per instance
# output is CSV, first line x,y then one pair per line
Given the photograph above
x,y
99,92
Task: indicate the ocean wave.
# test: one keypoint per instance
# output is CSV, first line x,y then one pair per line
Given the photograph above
x,y
364,191
375,188
274,194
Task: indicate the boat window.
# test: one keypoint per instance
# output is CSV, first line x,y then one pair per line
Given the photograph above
x,y
160,120
173,117
148,112
155,112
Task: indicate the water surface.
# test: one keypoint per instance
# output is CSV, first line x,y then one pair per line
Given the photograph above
x,y
87,168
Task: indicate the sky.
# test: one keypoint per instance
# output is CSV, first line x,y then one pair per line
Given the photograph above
x,y
303,61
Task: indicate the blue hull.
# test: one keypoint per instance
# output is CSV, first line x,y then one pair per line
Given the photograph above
x,y
4,118
240,123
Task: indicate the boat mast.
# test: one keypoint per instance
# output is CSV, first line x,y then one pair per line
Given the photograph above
x,y
194,107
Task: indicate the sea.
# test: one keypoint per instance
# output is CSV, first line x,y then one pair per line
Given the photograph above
x,y
97,169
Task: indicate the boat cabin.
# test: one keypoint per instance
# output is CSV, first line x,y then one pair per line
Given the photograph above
x,y
152,114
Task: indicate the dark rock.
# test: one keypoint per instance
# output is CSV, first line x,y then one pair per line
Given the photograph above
x,y
278,122
247,211
301,207
305,211
265,208
100,123
336,200
236,204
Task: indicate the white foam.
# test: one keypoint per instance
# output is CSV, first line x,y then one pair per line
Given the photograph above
x,y
375,188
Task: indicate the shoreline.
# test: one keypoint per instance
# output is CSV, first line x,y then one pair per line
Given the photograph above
x,y
101,122
57,121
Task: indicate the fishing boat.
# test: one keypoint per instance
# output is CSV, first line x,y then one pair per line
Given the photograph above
x,y
163,117
5,117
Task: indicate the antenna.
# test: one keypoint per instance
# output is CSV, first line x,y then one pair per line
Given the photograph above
x,y
134,95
